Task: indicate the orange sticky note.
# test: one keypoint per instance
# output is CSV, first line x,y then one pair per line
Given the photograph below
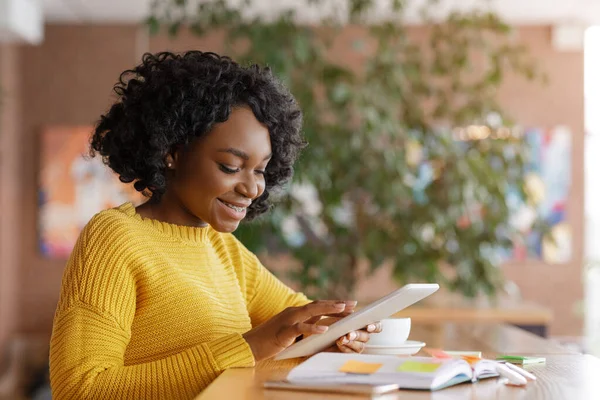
x,y
471,359
437,353
418,366
359,367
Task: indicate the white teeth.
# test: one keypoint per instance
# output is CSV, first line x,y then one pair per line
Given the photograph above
x,y
236,208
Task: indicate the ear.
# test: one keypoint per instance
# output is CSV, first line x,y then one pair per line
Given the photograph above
x,y
172,158
170,161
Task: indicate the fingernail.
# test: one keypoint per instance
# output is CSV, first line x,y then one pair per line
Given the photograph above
x,y
321,328
344,341
351,303
371,328
352,336
340,306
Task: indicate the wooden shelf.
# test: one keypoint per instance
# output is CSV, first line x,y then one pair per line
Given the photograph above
x,y
444,307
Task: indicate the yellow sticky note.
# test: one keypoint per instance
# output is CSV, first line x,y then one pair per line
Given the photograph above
x,y
359,367
417,366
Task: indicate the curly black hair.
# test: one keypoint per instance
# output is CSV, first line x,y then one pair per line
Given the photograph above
x,y
171,99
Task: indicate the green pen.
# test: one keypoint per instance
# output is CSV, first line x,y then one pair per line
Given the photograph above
x,y
522,359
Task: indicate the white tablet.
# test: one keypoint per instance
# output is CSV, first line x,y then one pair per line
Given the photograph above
x,y
376,311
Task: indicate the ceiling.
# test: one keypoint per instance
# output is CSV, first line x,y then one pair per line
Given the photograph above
x,y
515,11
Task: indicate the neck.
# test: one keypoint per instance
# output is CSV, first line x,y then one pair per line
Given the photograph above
x,y
170,210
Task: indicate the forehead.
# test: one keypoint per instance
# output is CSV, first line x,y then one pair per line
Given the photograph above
x,y
241,131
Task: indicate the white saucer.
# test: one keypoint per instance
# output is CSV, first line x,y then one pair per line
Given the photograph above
x,y
407,348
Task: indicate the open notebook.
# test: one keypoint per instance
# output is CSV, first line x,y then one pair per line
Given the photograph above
x,y
423,373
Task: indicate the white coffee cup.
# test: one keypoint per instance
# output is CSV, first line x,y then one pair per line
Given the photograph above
x,y
394,332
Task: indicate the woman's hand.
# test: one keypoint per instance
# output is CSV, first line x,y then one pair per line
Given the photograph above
x,y
352,342
274,335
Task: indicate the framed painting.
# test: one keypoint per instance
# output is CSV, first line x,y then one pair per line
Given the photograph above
x,y
549,181
73,187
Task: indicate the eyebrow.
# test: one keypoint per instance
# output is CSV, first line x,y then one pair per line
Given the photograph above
x,y
241,154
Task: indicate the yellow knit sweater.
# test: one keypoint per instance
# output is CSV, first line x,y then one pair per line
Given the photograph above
x,y
150,310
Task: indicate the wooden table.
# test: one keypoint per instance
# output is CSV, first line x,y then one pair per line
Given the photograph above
x,y
565,375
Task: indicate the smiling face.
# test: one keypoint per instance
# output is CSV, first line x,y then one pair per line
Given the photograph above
x,y
216,177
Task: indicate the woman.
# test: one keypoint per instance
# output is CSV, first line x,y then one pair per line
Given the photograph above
x,y
158,300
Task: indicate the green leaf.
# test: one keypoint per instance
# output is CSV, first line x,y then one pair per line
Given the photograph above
x,y
174,28
398,5
341,93
153,25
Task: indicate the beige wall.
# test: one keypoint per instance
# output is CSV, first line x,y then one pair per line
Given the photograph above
x,y
559,103
10,182
68,80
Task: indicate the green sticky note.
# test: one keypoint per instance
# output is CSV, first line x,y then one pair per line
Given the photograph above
x,y
521,359
417,366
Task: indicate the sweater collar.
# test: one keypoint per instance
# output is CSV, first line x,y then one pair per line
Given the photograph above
x,y
185,233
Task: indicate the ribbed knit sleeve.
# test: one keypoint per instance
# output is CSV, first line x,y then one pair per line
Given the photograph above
x,y
267,296
86,362
93,328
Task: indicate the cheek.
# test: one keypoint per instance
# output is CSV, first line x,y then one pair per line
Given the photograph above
x,y
200,185
209,186
261,186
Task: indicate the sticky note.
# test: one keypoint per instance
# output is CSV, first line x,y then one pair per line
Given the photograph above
x,y
418,366
437,353
359,367
463,353
522,359
471,359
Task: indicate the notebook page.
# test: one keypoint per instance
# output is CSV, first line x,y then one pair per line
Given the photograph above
x,y
325,368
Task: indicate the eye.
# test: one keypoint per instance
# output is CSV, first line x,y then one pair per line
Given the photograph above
x,y
260,172
228,170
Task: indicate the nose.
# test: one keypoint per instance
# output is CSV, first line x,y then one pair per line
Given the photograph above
x,y
250,187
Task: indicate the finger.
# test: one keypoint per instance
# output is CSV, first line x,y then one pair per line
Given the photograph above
x,y
339,315
287,336
314,309
347,338
344,349
355,346
349,303
349,346
326,321
335,317
361,336
313,320
341,344
332,349
303,329
375,327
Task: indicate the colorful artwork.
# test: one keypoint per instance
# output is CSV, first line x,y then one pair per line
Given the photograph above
x,y
549,181
73,187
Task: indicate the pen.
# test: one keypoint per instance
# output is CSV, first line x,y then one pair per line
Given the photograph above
x,y
528,375
513,377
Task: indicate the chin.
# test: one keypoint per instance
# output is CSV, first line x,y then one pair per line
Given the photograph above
x,y
226,227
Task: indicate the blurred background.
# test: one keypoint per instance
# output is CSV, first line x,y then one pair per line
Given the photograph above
x,y
450,141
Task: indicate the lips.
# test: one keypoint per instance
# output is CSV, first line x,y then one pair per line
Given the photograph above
x,y
235,210
235,204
